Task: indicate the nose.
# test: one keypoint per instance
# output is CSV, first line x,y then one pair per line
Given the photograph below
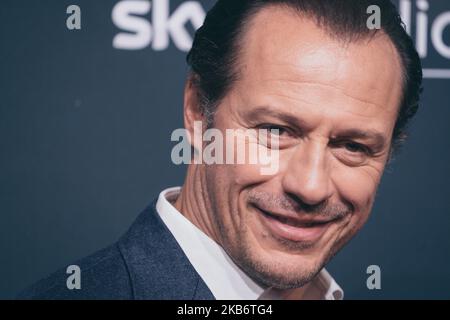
x,y
307,175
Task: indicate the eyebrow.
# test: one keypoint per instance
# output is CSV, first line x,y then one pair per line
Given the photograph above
x,y
376,138
286,117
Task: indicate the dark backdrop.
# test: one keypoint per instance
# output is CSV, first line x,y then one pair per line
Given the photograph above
x,y
85,146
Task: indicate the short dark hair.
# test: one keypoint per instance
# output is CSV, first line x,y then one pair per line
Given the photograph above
x,y
215,51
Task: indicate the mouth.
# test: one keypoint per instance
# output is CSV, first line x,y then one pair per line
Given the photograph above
x,y
293,228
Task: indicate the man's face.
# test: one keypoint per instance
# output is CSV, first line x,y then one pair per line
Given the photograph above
x,y
335,106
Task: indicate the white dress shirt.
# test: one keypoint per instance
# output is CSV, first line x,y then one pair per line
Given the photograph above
x,y
222,276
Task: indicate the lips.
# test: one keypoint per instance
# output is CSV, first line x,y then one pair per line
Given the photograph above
x,y
297,229
294,221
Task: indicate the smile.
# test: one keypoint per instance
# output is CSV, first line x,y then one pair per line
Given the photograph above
x,y
293,228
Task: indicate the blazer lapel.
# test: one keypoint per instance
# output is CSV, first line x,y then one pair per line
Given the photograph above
x,y
157,265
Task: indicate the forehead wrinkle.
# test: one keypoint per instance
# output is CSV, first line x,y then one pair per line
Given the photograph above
x,y
337,88
302,99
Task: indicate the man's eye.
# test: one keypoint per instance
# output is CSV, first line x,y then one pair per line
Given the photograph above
x,y
352,153
275,129
356,147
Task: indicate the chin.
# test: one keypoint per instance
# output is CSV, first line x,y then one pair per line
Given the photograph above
x,y
279,269
281,274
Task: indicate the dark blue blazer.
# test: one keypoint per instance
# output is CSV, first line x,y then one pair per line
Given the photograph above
x,y
146,263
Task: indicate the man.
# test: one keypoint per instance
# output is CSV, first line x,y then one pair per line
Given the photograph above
x,y
337,97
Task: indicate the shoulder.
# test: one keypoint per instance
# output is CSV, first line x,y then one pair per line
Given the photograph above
x,y
146,263
103,275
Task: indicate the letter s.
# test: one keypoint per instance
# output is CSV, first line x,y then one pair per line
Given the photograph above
x,y
122,16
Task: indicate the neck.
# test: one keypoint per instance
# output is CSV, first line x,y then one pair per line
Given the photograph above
x,y
193,202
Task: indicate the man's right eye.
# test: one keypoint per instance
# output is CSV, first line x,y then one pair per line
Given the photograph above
x,y
275,129
275,136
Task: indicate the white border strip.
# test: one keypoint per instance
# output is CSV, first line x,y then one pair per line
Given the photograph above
x,y
436,73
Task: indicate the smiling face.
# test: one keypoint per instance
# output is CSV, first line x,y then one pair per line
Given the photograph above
x,y
335,106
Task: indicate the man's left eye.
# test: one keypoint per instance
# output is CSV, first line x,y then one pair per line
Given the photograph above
x,y
356,147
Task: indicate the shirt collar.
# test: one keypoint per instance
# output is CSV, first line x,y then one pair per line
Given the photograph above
x,y
222,276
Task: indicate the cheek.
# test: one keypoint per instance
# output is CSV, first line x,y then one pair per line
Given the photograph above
x,y
242,175
357,186
229,181
260,165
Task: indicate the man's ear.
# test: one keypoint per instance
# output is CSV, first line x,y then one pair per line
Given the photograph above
x,y
192,111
